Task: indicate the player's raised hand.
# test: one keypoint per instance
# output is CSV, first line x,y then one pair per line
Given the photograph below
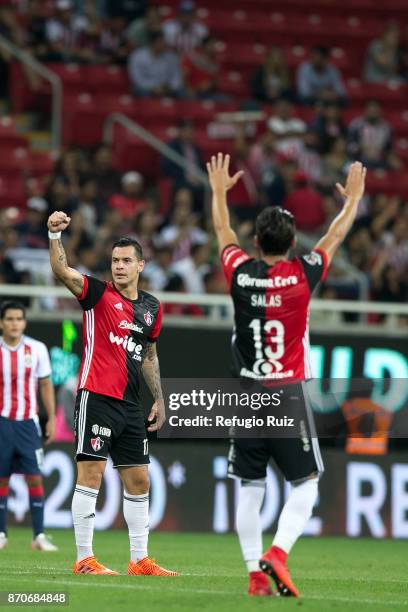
x,y
58,221
218,173
158,415
355,182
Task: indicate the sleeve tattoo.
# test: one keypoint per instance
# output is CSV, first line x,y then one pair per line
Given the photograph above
x,y
151,371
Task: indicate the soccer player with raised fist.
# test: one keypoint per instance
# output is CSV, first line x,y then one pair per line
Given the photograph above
x,y
121,326
271,298
24,366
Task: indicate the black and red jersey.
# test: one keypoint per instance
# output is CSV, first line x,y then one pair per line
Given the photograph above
x,y
271,304
115,335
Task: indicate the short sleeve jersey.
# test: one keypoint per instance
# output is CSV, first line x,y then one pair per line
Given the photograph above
x,y
271,313
116,331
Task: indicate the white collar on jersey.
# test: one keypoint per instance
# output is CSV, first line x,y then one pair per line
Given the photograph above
x,y
12,348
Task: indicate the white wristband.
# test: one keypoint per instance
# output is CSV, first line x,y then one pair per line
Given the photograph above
x,y
54,235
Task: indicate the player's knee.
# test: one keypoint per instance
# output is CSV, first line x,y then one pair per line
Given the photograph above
x,y
90,473
136,482
33,481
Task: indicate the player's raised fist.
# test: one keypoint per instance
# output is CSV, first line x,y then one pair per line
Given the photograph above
x,y
58,221
218,173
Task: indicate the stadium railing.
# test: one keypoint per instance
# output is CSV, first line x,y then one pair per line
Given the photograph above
x,y
50,303
48,75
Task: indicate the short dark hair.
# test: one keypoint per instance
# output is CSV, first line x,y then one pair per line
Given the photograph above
x,y
126,242
11,305
275,229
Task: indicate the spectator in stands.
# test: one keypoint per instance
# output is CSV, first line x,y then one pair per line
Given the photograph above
x,y
32,230
58,197
306,205
244,198
183,229
389,284
318,80
154,70
287,128
69,169
381,64
334,165
275,186
130,201
129,10
359,247
201,71
11,30
139,31
272,79
87,203
113,43
63,33
262,156
329,126
34,28
185,146
185,33
193,268
157,269
144,229
370,138
107,178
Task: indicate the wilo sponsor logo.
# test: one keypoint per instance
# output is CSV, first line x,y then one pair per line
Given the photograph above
x,y
132,326
128,344
244,280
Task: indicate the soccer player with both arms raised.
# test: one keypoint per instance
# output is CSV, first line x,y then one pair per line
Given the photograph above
x,y
121,326
271,298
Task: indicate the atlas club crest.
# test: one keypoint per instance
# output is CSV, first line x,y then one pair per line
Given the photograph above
x,y
148,318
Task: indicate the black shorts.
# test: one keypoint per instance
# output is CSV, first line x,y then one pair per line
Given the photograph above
x,y
105,426
296,457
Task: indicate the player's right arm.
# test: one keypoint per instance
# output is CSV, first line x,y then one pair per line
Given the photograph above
x,y
72,279
221,182
340,226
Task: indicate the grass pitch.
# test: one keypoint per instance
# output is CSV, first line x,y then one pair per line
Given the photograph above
x,y
332,574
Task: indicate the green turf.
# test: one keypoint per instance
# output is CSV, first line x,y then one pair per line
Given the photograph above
x,y
332,574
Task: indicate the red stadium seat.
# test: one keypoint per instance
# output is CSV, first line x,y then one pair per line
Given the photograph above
x,y
106,79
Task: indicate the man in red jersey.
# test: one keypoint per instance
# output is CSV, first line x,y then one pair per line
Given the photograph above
x,y
271,298
121,326
24,368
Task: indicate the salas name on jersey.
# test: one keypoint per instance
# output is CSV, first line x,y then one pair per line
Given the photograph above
x,y
271,304
115,336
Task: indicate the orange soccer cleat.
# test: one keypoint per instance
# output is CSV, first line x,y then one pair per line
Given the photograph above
x,y
273,563
148,567
259,585
90,565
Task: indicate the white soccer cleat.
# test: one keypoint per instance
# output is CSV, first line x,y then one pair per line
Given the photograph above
x,y
43,542
3,540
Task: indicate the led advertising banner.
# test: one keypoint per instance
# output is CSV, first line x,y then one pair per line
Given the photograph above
x,y
359,496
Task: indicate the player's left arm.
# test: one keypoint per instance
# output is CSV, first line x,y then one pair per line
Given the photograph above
x,y
47,394
221,182
151,374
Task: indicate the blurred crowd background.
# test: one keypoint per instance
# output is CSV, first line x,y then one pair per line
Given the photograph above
x,y
302,125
